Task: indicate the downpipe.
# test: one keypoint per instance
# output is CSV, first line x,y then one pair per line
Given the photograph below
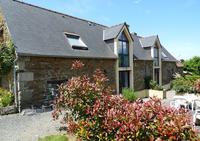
x,y
15,82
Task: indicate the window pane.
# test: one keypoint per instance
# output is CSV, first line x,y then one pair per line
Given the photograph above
x,y
75,40
120,48
156,61
156,56
125,48
72,36
124,80
120,60
156,75
123,60
155,52
123,37
164,55
126,61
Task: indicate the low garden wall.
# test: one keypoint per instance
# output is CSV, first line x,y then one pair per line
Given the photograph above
x,y
151,93
157,93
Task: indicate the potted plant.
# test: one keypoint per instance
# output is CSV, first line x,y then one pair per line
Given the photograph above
x,y
156,90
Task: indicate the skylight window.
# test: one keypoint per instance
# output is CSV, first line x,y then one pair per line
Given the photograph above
x,y
164,55
76,42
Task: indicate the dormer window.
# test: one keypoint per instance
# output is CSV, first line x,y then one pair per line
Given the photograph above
x,y
76,42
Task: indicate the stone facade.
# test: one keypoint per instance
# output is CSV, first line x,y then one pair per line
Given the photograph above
x,y
35,72
4,36
168,70
142,70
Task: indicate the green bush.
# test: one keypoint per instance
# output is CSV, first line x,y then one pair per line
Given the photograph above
x,y
6,98
185,84
54,138
129,94
193,65
155,86
147,80
6,57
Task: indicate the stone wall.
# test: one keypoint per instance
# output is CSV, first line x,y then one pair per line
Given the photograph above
x,y
168,70
142,70
34,72
4,34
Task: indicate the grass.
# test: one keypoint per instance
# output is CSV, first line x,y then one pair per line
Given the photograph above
x,y
54,138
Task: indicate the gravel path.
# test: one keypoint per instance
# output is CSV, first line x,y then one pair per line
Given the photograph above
x,y
169,97
19,127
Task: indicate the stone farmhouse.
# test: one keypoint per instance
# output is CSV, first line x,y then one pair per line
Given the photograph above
x,y
47,42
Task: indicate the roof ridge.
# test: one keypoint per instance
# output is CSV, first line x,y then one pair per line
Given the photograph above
x,y
60,13
149,36
117,25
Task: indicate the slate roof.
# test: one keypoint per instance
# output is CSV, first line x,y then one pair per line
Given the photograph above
x,y
40,32
113,31
139,52
168,57
148,41
141,49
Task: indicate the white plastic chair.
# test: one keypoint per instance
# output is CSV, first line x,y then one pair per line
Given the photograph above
x,y
195,104
179,102
196,117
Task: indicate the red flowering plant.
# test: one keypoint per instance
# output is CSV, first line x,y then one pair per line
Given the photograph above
x,y
96,114
80,92
197,85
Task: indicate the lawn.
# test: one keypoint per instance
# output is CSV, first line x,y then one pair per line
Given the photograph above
x,y
54,138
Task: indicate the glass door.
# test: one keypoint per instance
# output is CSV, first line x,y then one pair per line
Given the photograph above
x,y
124,80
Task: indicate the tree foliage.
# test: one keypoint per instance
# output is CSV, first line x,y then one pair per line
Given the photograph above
x,y
6,98
6,57
186,84
193,65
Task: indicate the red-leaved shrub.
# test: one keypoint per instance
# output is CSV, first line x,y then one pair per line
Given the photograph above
x,y
197,85
96,114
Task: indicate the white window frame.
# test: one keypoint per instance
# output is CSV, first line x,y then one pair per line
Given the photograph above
x,y
80,46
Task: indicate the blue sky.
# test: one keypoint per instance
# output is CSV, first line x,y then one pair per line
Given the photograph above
x,y
177,22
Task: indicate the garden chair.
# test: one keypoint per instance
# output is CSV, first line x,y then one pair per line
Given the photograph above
x,y
179,102
196,117
196,104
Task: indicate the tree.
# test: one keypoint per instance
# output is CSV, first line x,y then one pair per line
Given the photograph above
x,y
6,58
193,65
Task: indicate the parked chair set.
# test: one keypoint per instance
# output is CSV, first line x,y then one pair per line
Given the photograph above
x,y
190,102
